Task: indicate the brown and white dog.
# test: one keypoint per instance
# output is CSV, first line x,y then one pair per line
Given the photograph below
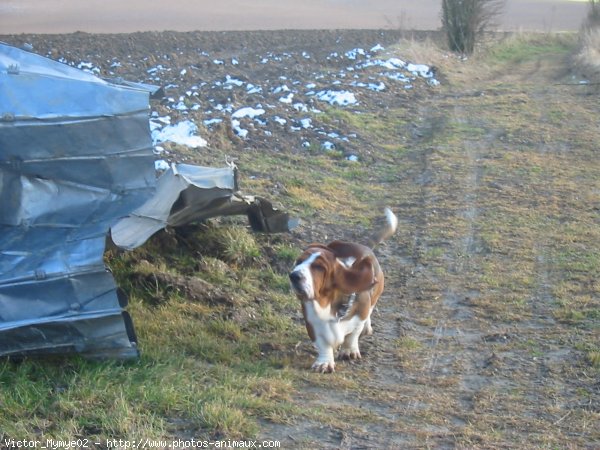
x,y
338,285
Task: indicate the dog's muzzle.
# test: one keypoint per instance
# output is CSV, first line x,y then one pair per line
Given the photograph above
x,y
299,285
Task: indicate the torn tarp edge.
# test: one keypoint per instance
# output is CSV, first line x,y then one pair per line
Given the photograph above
x,y
187,193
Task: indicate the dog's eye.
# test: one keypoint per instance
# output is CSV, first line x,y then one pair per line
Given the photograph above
x,y
319,268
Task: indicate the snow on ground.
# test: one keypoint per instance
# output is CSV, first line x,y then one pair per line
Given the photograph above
x,y
263,107
341,98
183,133
247,112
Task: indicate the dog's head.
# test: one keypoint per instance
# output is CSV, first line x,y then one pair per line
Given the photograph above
x,y
323,271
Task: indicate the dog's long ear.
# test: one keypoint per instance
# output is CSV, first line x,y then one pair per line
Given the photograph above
x,y
360,277
357,276
314,245
343,249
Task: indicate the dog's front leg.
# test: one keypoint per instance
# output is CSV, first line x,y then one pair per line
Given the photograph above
x,y
353,330
326,339
325,361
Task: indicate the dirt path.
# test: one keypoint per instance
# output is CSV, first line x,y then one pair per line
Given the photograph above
x,y
467,350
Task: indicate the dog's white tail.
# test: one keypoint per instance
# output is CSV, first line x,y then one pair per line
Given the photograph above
x,y
385,230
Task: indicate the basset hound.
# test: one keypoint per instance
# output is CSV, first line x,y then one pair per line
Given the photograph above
x,y
338,285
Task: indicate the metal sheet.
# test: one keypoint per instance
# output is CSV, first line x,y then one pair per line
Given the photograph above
x,y
75,162
187,194
75,157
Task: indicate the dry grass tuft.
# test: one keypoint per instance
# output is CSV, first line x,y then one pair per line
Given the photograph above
x,y
587,58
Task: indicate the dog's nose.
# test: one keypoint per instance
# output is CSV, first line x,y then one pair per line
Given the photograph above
x,y
295,277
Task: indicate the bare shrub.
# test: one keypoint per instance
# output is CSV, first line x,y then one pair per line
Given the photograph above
x,y
464,21
587,58
593,18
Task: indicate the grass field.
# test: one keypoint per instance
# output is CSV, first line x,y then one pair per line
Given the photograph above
x,y
488,334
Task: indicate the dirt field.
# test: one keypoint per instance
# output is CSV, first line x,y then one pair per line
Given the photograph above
x,y
102,16
487,333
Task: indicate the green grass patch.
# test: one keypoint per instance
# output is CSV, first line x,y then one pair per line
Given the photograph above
x,y
520,48
201,369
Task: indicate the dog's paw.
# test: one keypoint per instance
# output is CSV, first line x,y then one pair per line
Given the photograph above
x,y
323,367
349,354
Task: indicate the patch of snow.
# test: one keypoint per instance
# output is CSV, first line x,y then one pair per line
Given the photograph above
x,y
280,89
226,108
341,98
396,76
247,112
181,133
209,122
306,123
420,69
252,89
88,67
241,132
159,68
236,82
181,106
377,87
354,53
158,122
300,107
287,98
390,63
161,164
